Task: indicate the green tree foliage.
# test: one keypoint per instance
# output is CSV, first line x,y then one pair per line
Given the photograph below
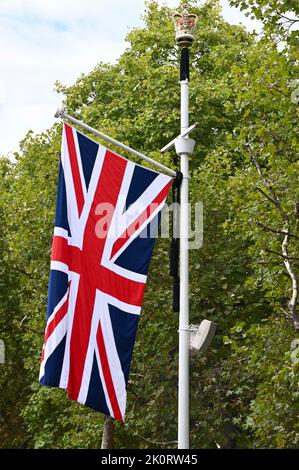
x,y
280,17
245,171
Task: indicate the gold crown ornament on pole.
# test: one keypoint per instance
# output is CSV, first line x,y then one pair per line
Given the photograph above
x,y
184,24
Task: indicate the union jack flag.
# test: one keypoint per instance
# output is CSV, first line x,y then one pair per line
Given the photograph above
x,y
100,257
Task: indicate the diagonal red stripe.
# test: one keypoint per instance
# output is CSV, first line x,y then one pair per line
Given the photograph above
x,y
124,289
74,167
59,315
107,375
119,243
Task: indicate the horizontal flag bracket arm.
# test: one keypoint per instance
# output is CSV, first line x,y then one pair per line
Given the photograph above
x,y
60,113
174,141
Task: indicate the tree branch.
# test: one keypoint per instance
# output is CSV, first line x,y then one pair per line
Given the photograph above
x,y
108,433
272,197
282,232
32,330
268,197
293,301
285,256
288,20
28,328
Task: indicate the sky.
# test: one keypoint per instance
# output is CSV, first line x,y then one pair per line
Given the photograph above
x,y
47,40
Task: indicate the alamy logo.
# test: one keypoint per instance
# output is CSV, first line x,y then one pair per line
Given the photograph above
x,y
2,352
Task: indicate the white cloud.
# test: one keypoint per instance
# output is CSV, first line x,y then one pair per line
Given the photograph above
x,y
235,16
47,40
68,10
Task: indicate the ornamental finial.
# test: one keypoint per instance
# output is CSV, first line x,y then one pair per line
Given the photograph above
x,y
184,24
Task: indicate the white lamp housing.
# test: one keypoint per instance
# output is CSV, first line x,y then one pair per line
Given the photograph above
x,y
201,339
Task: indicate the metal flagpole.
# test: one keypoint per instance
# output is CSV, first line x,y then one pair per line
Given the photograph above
x,y
184,26
62,114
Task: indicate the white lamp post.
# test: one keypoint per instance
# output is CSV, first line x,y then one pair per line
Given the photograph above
x,y
184,27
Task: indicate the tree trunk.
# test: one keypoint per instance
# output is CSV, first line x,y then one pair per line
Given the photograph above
x,y
108,432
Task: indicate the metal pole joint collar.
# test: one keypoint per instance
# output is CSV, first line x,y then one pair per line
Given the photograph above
x,y
184,146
